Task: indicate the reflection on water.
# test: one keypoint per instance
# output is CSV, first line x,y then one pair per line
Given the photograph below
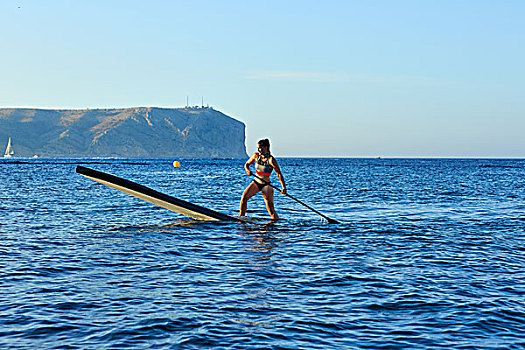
x,y
262,238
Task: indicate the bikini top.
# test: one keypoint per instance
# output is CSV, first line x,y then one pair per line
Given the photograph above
x,y
263,168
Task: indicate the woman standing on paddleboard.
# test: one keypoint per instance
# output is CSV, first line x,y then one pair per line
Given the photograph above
x,y
264,164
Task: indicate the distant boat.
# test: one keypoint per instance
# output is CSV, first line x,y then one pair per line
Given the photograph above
x,y
9,151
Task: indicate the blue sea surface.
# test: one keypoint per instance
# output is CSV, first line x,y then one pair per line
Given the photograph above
x,y
429,254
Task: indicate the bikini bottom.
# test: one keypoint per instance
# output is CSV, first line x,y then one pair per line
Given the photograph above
x,y
260,186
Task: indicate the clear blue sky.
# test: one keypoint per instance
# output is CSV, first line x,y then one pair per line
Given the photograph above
x,y
443,78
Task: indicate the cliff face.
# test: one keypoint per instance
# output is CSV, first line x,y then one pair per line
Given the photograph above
x,y
129,132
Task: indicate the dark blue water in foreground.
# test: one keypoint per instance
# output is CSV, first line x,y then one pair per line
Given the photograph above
x,y
429,254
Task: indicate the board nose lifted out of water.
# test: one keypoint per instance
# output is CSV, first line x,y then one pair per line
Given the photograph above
x,y
147,194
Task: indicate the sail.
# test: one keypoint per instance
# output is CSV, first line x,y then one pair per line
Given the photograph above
x,y
8,151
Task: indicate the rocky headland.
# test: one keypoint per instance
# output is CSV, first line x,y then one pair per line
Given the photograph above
x,y
128,132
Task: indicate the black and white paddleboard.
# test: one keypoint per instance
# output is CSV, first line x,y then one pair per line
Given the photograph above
x,y
162,200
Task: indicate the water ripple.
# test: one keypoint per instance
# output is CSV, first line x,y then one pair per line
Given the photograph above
x,y
429,255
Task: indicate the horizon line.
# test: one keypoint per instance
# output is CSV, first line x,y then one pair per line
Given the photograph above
x,y
284,157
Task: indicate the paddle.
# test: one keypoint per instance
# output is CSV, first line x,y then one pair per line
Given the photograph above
x,y
330,221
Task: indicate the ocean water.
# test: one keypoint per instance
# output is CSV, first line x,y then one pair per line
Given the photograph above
x,y
429,254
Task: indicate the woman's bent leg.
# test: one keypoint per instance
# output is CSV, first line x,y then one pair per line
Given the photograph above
x,y
267,193
248,193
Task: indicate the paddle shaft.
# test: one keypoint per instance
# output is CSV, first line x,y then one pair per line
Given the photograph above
x,y
330,221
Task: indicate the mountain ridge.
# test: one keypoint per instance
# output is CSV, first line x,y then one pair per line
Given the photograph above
x,y
123,132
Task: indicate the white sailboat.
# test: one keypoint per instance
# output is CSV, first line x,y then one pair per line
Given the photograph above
x,y
9,151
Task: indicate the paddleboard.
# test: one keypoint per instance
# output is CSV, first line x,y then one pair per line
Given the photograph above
x,y
162,200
